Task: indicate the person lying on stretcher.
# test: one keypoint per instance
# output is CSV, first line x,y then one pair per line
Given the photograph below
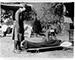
x,y
49,40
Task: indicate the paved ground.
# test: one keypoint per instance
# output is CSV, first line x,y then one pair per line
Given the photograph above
x,y
6,48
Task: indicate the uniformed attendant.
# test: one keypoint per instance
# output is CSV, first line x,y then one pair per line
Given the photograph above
x,y
18,29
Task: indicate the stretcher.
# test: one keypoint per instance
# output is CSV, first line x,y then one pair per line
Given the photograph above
x,y
34,46
63,46
37,50
40,44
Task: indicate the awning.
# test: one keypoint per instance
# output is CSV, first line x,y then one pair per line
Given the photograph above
x,y
13,7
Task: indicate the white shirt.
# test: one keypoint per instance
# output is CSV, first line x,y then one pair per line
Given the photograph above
x,y
4,28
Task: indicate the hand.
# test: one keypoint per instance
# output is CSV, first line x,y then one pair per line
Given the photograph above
x,y
22,9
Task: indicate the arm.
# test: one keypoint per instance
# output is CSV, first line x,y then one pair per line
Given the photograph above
x,y
47,34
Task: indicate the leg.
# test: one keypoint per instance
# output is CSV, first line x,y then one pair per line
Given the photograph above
x,y
15,45
19,45
25,45
54,35
19,41
47,35
4,34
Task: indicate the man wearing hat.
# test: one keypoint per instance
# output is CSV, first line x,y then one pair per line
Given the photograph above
x,y
18,29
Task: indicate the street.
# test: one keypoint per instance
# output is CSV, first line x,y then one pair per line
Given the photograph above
x,y
6,50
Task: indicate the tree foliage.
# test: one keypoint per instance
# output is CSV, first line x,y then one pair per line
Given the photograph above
x,y
52,13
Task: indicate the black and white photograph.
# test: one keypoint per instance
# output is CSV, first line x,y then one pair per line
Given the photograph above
x,y
37,29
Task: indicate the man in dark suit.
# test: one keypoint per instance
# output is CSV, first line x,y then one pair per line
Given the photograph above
x,y
18,29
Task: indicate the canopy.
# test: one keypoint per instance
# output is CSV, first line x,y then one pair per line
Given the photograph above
x,y
13,7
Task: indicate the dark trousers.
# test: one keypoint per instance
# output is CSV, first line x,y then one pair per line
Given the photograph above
x,y
17,43
8,31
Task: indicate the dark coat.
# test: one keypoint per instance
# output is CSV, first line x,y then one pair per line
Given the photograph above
x,y
37,27
18,29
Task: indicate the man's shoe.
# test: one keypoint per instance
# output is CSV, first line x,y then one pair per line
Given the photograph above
x,y
17,51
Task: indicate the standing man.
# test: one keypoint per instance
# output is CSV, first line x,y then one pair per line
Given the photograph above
x,y
37,27
18,29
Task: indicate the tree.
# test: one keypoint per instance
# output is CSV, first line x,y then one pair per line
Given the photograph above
x,y
53,12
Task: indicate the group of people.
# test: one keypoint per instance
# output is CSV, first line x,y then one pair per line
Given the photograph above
x,y
19,26
18,29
